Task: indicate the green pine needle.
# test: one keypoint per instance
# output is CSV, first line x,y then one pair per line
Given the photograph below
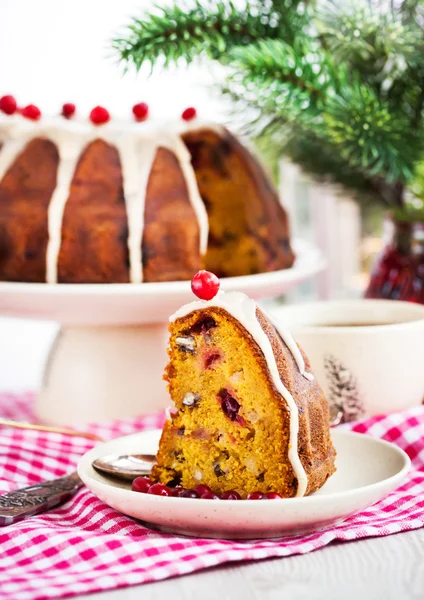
x,y
273,63
187,30
370,136
338,88
362,36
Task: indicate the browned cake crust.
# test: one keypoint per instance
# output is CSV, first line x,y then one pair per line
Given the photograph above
x,y
248,450
315,448
94,229
25,193
170,248
248,227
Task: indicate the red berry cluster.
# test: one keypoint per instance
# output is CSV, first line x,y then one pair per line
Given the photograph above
x,y
399,273
9,106
99,115
202,491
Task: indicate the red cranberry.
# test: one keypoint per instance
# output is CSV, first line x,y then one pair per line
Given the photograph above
x,y
209,496
141,484
140,111
31,112
272,496
99,115
157,489
203,325
230,495
211,357
205,285
189,113
201,488
68,110
229,405
8,104
176,491
255,496
189,494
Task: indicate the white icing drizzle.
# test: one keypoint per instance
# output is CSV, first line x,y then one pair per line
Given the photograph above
x,y
137,145
243,309
9,152
183,155
290,342
137,157
68,158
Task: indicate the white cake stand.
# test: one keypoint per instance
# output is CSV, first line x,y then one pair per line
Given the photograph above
x,y
108,358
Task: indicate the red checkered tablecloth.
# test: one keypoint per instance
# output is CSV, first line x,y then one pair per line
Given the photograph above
x,y
84,546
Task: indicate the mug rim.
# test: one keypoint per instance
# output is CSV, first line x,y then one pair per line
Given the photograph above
x,y
418,309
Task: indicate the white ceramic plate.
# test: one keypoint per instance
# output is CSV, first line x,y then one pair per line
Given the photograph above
x,y
367,470
125,304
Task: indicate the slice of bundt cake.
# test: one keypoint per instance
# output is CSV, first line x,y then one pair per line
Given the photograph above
x,y
248,414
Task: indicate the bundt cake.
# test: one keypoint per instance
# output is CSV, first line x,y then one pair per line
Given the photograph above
x,y
248,414
103,202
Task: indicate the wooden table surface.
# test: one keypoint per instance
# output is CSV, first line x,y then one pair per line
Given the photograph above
x,y
385,568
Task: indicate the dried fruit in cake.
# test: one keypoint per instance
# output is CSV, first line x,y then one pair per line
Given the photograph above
x,y
254,423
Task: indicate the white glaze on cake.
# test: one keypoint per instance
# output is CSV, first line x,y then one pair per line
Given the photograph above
x,y
137,157
69,154
183,155
243,309
137,145
290,342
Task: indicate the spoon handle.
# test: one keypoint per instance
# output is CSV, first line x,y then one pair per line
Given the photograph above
x,y
48,429
28,501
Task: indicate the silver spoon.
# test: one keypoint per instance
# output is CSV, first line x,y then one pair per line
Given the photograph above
x,y
37,498
126,466
40,497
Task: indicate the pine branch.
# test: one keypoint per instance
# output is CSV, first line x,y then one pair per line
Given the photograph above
x,y
185,31
372,136
282,87
319,160
412,10
369,136
362,38
338,90
274,63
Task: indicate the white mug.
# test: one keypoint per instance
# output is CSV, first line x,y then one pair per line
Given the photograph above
x,y
368,355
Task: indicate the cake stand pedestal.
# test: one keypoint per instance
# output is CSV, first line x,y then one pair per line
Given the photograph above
x,y
104,372
108,358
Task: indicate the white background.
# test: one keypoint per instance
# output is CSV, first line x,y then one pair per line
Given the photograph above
x,y
52,51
